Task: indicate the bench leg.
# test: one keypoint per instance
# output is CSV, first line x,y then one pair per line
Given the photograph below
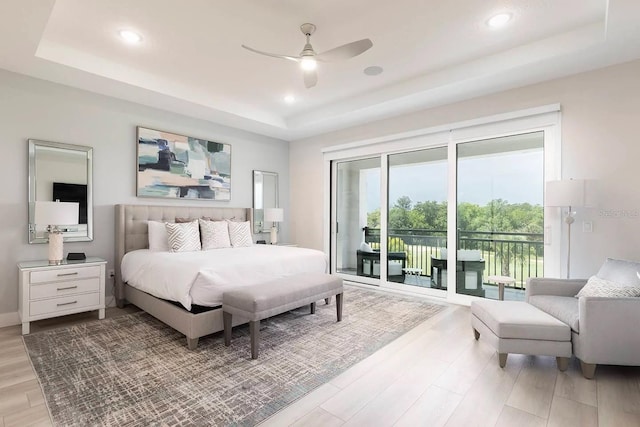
x,y
563,363
226,321
192,343
502,359
339,306
476,334
313,307
254,329
327,300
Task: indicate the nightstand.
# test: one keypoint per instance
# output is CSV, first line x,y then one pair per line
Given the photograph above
x,y
47,291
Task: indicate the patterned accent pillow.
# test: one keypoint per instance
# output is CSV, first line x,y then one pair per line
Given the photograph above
x,y
240,234
597,287
183,237
215,234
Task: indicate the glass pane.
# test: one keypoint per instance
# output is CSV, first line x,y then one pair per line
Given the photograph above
x,y
357,207
500,215
417,217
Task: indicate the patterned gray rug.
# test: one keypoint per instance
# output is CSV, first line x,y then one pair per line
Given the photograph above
x,y
133,370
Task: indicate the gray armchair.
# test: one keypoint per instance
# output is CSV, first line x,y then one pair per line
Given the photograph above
x,y
604,330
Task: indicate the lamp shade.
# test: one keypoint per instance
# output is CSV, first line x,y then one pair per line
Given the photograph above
x,y
274,214
57,213
562,193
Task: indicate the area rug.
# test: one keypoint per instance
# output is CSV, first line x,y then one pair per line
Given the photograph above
x,y
134,370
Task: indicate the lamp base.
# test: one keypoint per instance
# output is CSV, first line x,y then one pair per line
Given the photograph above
x,y
274,235
55,248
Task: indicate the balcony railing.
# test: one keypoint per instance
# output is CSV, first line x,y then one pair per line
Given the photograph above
x,y
518,255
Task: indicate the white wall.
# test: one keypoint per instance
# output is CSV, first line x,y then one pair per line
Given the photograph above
x,y
31,108
600,142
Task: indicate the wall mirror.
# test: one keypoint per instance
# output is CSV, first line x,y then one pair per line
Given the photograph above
x,y
61,172
265,196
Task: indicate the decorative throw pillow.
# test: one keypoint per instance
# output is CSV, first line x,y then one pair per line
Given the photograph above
x,y
240,233
158,237
183,237
215,234
597,287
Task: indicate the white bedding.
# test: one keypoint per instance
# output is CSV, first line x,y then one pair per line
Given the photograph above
x,y
201,277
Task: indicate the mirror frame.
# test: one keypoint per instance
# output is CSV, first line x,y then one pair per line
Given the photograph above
x,y
258,221
33,144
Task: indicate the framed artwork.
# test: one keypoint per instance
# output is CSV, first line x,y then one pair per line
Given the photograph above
x,y
182,167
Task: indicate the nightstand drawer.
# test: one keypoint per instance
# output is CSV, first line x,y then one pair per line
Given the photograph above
x,y
72,302
59,289
64,274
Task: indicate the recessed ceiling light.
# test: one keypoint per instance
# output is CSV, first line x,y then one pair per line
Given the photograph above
x,y
374,70
289,99
499,20
130,37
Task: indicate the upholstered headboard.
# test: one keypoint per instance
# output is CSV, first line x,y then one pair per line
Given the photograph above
x,y
132,229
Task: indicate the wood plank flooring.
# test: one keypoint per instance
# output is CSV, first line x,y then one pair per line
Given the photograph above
x,y
435,375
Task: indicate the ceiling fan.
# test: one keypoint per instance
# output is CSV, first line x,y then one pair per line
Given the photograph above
x,y
308,58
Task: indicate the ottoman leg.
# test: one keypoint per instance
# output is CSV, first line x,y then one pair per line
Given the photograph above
x,y
588,369
502,359
327,300
312,308
339,306
226,321
563,363
476,334
254,330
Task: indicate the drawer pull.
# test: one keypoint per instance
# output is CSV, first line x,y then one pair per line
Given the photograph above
x,y
67,274
67,303
67,287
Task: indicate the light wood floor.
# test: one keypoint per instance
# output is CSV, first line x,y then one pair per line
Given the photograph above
x,y
435,375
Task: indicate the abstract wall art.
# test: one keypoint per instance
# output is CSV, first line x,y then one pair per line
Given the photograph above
x,y
182,167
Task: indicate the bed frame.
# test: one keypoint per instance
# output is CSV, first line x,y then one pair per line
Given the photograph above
x,y
132,233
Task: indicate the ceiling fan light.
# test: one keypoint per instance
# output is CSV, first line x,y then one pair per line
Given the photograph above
x,y
308,64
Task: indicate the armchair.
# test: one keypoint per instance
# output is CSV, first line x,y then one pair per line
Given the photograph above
x,y
604,330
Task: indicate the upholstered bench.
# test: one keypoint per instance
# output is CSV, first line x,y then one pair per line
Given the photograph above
x,y
518,327
257,302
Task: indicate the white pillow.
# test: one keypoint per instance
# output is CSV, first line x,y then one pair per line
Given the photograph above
x,y
215,234
183,237
240,233
597,287
158,237
365,247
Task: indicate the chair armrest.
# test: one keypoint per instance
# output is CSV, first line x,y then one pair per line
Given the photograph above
x,y
609,331
557,287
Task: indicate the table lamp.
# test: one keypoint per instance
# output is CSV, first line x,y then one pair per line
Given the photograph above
x,y
54,215
274,215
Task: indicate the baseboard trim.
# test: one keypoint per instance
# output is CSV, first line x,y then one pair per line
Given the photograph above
x,y
9,319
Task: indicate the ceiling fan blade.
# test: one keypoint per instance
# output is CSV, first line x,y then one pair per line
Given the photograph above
x,y
310,79
346,51
274,55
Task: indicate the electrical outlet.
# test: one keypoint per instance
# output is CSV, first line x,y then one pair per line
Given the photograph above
x,y
111,273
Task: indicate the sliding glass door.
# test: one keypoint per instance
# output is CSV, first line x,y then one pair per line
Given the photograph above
x,y
357,200
417,217
500,215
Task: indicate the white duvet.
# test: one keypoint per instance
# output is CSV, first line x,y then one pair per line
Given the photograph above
x,y
201,277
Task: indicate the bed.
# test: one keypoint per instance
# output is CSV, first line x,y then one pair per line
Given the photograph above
x,y
132,239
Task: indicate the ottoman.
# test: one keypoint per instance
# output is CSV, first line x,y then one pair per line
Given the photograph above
x,y
518,327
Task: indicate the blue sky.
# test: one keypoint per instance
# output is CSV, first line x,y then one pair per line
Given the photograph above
x,y
516,177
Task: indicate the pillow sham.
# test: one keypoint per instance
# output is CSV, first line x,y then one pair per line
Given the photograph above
x,y
183,220
214,234
597,287
158,237
183,237
240,234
